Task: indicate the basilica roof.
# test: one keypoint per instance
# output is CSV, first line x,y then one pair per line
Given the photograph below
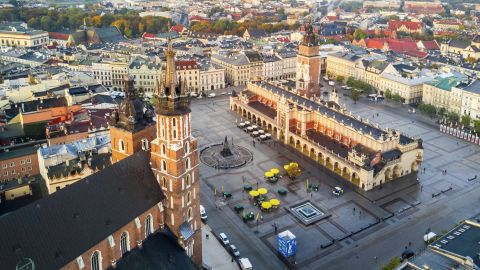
x,y
55,230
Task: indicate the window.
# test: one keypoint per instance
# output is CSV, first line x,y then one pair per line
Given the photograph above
x,y
164,165
186,147
96,261
4,165
189,213
124,243
189,198
148,225
174,122
164,149
121,145
187,163
174,133
164,182
188,180
22,162
12,164
145,144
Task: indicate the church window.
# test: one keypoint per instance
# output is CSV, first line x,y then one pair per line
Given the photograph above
x,y
186,147
174,133
164,165
164,149
189,213
164,182
145,144
96,260
124,243
189,198
187,163
121,145
174,122
187,180
148,225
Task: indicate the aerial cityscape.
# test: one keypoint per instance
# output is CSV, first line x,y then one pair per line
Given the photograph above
x,y
239,134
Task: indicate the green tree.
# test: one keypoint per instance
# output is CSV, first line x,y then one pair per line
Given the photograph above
x,y
340,79
466,120
388,94
453,117
392,264
476,126
396,97
355,95
359,34
442,111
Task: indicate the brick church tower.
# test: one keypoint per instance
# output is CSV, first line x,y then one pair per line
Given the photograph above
x,y
131,127
174,160
308,64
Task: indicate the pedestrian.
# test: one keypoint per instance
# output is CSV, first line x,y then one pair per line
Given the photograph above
x,y
206,235
261,218
354,210
409,243
445,171
311,195
232,259
375,259
424,169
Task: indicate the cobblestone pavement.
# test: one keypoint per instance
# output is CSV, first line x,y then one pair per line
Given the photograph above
x,y
409,201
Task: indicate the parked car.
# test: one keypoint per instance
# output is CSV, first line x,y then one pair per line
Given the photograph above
x,y
331,83
234,251
337,191
211,95
224,239
193,94
245,264
203,213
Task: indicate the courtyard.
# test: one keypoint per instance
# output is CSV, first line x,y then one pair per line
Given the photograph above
x,y
357,225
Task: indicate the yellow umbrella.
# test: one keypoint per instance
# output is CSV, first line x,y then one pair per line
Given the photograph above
x,y
286,167
294,164
275,202
253,193
266,205
262,191
268,174
274,171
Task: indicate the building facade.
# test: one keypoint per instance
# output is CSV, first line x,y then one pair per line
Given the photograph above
x,y
17,163
174,159
356,150
308,65
211,78
189,70
21,36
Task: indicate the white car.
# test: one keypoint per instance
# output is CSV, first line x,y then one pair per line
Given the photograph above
x,y
337,191
331,83
212,95
193,94
234,251
203,213
224,239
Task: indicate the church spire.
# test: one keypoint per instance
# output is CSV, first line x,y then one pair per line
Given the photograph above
x,y
170,76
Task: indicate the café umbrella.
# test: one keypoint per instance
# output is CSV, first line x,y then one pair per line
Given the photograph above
x,y
274,171
266,205
269,174
253,193
275,202
262,191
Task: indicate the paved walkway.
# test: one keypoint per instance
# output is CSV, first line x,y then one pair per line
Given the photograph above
x,y
214,253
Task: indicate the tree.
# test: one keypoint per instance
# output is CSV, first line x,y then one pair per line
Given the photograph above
x,y
355,95
388,94
442,111
466,120
340,79
453,117
396,97
476,126
392,264
359,34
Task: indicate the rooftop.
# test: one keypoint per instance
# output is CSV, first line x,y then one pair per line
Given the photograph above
x,y
69,224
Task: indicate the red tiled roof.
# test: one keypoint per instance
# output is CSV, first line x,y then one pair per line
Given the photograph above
x,y
148,35
401,46
375,43
198,18
186,64
283,39
177,28
395,25
430,45
60,36
332,18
